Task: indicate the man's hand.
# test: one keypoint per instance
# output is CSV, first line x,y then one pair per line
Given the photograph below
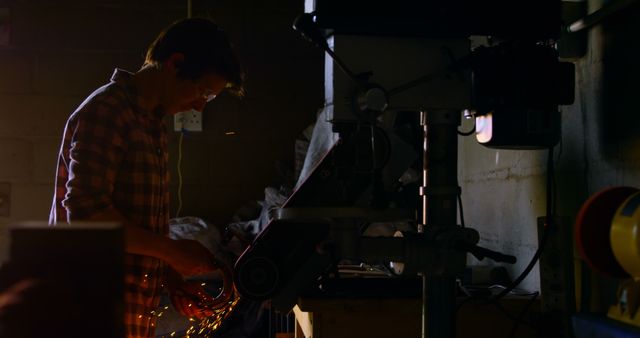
x,y
190,258
188,297
17,295
191,300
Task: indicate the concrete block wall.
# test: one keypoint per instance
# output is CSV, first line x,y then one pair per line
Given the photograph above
x,y
61,51
503,193
58,53
284,92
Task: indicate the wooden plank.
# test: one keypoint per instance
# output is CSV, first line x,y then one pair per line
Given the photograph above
x,y
304,321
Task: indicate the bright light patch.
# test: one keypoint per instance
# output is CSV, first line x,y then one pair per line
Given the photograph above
x,y
484,128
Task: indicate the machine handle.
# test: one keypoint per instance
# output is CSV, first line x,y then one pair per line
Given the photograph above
x,y
480,253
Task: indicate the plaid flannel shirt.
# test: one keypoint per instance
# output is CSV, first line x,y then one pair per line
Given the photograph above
x,y
113,154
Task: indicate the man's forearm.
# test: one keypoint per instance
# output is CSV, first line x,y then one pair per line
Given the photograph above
x,y
137,239
187,257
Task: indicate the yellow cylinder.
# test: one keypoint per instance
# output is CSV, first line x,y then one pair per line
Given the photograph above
x,y
625,235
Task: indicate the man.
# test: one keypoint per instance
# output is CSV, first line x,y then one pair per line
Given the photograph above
x,y
113,160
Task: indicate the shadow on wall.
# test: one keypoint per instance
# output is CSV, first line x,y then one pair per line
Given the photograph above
x,y
619,116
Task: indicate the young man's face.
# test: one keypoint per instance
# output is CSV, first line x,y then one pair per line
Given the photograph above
x,y
186,94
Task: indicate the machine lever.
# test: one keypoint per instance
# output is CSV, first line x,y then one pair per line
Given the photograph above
x,y
306,26
480,253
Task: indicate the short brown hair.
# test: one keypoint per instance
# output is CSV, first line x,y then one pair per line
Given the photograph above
x,y
206,48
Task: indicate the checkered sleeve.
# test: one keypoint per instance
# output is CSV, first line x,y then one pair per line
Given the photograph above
x,y
113,154
97,146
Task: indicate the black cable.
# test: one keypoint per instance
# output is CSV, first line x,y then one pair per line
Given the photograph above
x,y
387,140
374,165
374,132
465,301
461,210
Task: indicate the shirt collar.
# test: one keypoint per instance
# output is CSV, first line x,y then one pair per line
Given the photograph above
x,y
124,78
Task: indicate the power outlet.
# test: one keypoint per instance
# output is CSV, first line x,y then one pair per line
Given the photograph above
x,y
187,121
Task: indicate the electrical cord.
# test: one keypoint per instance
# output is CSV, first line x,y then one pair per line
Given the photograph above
x,y
180,139
387,142
512,292
461,210
374,130
374,165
